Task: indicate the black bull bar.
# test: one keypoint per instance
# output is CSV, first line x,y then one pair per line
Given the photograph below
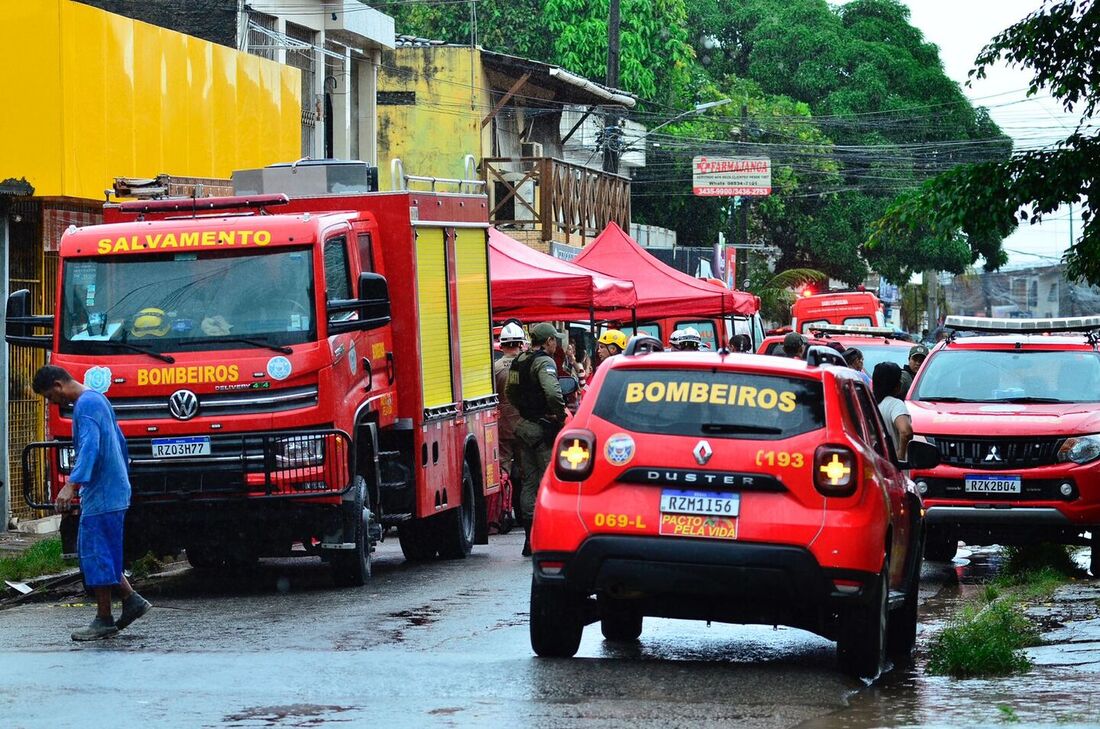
x,y
292,464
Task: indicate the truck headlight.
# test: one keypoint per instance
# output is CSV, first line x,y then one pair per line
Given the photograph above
x,y
1080,449
300,451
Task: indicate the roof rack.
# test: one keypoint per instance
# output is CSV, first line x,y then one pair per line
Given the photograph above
x,y
642,344
819,355
886,332
1022,326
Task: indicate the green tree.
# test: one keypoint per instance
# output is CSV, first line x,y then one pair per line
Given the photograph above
x,y
506,26
971,208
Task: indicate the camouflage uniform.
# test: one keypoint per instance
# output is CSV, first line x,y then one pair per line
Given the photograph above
x,y
534,390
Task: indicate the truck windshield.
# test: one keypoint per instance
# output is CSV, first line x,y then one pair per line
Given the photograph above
x,y
1035,376
163,303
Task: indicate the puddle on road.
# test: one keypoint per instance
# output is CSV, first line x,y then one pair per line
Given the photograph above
x,y
909,697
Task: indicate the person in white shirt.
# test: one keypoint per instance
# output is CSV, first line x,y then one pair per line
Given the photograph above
x,y
887,385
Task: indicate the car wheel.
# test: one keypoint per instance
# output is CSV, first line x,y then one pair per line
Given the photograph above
x,y
458,525
417,539
204,557
557,621
352,567
619,622
861,645
940,546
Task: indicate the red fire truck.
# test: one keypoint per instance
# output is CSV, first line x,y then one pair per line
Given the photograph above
x,y
288,370
844,308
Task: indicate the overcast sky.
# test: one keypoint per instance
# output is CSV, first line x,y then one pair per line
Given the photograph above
x,y
961,28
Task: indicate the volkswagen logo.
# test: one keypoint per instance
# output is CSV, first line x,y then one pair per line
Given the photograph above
x,y
183,405
702,452
994,456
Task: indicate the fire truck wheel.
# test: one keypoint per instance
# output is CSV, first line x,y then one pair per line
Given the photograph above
x,y
205,557
557,621
417,540
352,567
457,525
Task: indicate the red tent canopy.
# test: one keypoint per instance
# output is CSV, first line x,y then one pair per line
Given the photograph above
x,y
530,285
662,290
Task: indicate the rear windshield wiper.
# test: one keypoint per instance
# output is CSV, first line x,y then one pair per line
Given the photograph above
x,y
255,342
137,348
1029,399
750,429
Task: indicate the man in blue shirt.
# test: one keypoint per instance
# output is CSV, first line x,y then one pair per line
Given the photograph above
x,y
100,474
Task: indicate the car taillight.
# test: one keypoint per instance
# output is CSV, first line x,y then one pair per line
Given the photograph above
x,y
835,471
573,460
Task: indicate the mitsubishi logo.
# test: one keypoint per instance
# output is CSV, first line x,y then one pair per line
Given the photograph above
x,y
994,456
702,452
183,405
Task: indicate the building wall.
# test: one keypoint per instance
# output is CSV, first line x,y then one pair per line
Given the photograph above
x,y
431,102
212,20
106,96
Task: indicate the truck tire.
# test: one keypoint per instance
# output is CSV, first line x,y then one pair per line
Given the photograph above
x,y
940,546
417,539
557,621
353,567
861,644
458,526
620,621
205,557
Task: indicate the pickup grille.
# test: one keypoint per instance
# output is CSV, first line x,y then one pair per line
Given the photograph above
x,y
241,402
997,453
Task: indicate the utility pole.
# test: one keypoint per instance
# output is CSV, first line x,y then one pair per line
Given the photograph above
x,y
931,286
742,259
611,119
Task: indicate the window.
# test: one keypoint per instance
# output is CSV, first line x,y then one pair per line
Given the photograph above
x,y
337,274
871,420
1009,375
366,252
705,327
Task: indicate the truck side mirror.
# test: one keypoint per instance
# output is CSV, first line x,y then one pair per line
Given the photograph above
x,y
921,455
20,323
372,306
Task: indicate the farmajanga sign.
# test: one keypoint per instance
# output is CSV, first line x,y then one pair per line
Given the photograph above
x,y
731,176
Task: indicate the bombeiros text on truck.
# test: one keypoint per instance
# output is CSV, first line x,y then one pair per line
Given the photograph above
x,y
306,363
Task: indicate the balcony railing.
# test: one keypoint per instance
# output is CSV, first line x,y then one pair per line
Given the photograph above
x,y
553,196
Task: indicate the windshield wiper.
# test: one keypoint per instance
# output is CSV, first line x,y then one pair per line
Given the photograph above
x,y
255,342
730,428
137,348
1029,399
946,398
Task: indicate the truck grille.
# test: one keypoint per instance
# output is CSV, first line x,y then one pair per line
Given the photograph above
x,y
242,402
996,453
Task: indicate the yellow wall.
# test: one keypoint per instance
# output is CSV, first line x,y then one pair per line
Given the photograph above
x,y
433,135
92,96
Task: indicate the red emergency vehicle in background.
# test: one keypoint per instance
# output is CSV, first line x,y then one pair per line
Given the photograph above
x,y
287,370
847,308
1014,410
878,344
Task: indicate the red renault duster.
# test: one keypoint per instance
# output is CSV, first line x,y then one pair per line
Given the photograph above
x,y
1015,415
732,488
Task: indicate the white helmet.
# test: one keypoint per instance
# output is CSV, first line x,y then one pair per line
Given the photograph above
x,y
686,339
512,333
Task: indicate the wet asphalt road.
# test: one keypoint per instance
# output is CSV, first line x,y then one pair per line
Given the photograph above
x,y
436,644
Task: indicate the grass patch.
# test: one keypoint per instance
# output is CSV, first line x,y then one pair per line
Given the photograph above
x,y
987,637
43,558
146,565
983,641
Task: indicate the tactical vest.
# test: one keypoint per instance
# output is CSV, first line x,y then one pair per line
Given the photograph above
x,y
524,389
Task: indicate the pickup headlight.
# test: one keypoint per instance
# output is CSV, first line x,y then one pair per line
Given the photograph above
x,y
300,451
1080,449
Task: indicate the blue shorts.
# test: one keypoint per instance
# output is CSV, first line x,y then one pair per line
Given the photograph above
x,y
99,544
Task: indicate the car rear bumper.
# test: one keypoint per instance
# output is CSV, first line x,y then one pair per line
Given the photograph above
x,y
737,582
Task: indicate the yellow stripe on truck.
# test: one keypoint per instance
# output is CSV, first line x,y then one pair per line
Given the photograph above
x,y
435,326
475,335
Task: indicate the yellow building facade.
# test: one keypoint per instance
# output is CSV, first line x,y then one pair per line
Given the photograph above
x,y
96,96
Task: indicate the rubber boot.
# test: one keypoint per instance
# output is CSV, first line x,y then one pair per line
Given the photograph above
x,y
526,541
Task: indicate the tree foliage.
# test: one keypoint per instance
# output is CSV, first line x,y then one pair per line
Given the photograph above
x,y
506,26
970,209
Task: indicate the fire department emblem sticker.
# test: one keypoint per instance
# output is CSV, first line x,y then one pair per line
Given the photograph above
x,y
619,449
279,368
98,379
